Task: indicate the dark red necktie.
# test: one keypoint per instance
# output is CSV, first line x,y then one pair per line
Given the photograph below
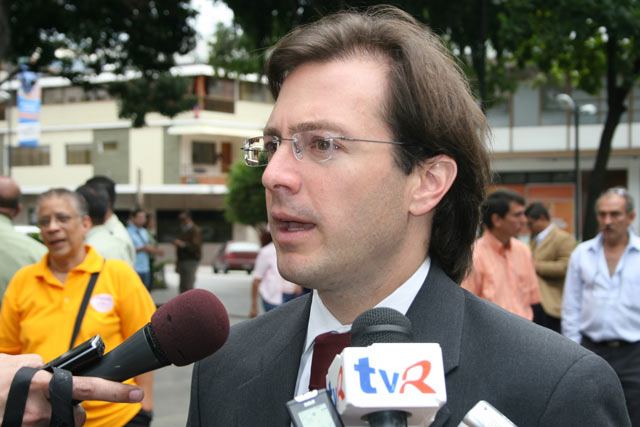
x,y
325,348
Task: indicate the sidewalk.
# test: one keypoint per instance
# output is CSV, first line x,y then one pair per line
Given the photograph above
x,y
171,387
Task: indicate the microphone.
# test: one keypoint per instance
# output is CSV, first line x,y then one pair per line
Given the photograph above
x,y
483,414
384,379
382,325
187,328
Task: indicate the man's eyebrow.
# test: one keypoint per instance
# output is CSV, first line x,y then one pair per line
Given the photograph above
x,y
306,126
271,131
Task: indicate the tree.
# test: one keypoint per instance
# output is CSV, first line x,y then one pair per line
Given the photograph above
x,y
245,201
265,22
76,39
470,30
595,44
232,52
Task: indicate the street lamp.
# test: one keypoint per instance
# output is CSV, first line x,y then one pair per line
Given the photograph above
x,y
567,102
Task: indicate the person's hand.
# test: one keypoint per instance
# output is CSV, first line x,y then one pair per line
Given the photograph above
x,y
253,313
38,408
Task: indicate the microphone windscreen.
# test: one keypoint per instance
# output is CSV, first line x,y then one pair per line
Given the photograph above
x,y
381,324
191,326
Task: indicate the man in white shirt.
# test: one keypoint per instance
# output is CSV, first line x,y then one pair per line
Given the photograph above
x,y
112,223
600,307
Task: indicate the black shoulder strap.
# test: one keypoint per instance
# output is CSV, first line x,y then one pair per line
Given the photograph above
x,y
17,398
83,306
60,389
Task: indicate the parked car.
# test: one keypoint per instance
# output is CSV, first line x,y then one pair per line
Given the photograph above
x,y
236,256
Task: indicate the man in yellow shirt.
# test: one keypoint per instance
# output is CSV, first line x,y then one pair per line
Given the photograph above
x,y
42,301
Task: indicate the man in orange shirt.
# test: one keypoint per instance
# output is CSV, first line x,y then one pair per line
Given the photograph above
x,y
503,270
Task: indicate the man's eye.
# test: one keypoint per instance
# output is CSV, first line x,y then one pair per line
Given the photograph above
x,y
321,144
63,218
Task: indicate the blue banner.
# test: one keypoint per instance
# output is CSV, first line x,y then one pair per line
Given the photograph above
x,y
29,102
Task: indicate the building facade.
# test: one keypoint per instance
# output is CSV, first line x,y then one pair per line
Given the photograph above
x,y
183,163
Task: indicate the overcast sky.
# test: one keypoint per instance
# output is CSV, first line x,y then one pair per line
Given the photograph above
x,y
210,13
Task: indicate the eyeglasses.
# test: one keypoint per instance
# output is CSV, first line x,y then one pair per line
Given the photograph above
x,y
315,145
60,219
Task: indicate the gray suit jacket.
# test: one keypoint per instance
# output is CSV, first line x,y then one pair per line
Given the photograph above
x,y
534,376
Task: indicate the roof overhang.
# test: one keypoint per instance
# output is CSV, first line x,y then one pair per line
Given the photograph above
x,y
204,129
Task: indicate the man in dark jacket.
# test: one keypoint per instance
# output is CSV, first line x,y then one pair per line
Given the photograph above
x,y
189,250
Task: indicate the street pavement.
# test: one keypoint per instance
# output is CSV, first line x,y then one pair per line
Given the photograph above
x,y
171,387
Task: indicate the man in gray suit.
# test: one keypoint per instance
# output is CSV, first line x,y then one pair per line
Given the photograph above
x,y
375,171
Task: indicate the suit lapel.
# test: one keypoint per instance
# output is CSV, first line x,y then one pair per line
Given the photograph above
x,y
276,370
548,240
433,323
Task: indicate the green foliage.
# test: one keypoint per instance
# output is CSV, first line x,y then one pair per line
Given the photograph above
x,y
164,94
263,23
590,45
245,200
573,39
232,51
117,35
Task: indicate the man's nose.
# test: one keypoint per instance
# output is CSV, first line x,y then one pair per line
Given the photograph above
x,y
283,170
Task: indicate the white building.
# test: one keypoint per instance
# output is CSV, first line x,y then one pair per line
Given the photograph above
x,y
182,163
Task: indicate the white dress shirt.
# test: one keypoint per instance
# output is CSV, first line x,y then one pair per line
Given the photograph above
x,y
321,320
601,306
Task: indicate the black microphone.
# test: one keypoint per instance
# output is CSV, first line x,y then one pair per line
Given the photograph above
x,y
187,328
382,325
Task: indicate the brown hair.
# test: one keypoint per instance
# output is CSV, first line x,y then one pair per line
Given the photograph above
x,y
428,105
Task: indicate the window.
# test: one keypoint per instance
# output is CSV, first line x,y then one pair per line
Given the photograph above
x,y
203,153
219,95
78,154
257,92
108,146
30,156
220,88
69,94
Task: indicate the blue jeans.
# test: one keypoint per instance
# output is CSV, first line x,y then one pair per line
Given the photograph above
x,y
268,306
145,276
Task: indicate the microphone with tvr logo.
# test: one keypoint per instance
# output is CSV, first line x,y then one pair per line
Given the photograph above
x,y
187,328
384,379
382,325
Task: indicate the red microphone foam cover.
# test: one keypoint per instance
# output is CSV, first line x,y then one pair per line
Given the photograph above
x,y
191,326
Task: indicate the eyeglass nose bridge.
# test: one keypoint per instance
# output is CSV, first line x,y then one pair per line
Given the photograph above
x,y
295,148
298,150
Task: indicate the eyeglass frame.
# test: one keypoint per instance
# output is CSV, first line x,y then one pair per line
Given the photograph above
x,y
294,146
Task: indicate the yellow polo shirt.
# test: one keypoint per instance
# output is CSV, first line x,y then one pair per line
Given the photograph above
x,y
39,312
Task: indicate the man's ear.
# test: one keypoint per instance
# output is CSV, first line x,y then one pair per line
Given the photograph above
x,y
434,177
86,224
17,210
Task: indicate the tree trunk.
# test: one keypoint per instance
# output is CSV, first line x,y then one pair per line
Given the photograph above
x,y
616,96
616,109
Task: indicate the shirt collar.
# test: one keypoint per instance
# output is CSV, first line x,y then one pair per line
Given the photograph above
x,y
321,320
5,221
544,233
92,263
496,244
596,243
